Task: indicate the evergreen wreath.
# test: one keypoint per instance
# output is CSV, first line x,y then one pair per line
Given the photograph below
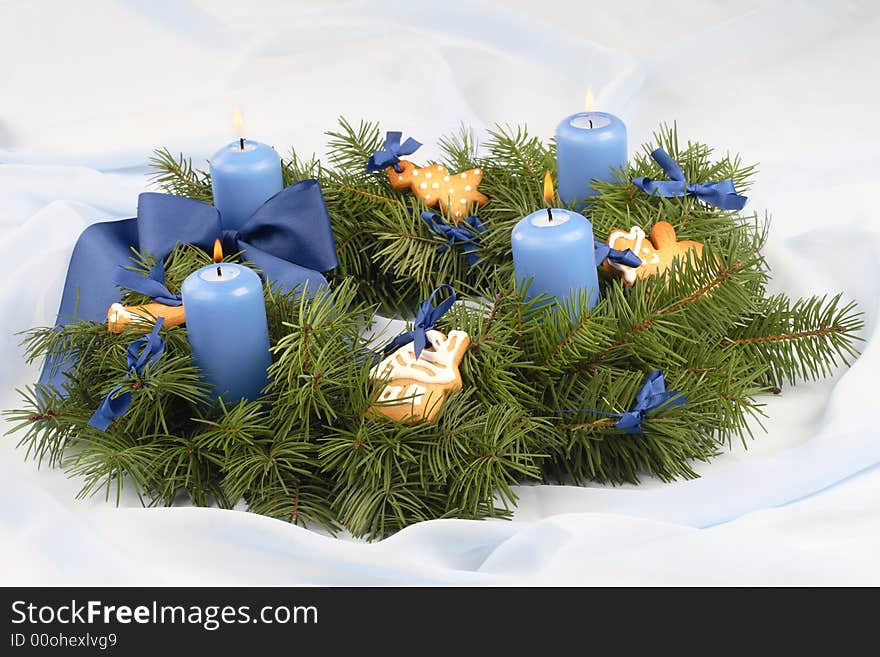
x,y
541,388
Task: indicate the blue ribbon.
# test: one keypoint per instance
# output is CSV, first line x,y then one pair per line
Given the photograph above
x,y
720,194
391,152
653,394
604,252
289,238
457,234
152,286
144,351
426,317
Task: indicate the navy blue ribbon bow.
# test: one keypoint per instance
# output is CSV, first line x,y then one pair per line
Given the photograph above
x,y
652,395
144,351
457,234
426,317
604,252
720,194
152,286
289,238
391,152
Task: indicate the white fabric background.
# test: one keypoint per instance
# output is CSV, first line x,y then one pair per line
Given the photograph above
x,y
88,89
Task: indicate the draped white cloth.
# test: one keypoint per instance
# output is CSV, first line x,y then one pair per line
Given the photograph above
x,y
89,89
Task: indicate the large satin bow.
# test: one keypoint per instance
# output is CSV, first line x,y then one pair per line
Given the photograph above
x,y
289,238
720,194
144,351
426,317
457,234
391,152
604,252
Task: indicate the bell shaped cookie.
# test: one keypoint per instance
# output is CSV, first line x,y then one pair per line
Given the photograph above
x,y
414,389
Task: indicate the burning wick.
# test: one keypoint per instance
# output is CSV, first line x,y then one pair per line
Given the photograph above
x,y
241,139
589,104
591,127
218,256
548,194
238,123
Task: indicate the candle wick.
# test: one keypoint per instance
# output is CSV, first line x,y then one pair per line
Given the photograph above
x,y
219,272
590,120
241,140
549,215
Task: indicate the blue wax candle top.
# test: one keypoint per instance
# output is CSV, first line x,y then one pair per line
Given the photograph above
x,y
555,251
242,179
227,329
589,145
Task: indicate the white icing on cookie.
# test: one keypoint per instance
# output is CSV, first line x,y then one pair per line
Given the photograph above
x,y
390,392
435,365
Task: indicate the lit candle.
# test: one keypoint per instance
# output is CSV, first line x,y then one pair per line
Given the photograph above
x,y
227,328
554,248
588,146
244,175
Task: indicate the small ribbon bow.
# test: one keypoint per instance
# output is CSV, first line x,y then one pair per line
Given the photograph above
x,y
457,234
152,286
720,194
144,351
604,252
426,317
391,151
652,395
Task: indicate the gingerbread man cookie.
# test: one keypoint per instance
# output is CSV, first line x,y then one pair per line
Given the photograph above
x,y
657,253
455,192
416,388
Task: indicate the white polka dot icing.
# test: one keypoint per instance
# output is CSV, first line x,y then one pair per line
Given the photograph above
x,y
453,196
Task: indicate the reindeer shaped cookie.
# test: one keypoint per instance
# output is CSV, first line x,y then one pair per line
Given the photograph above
x,y
416,388
455,192
657,253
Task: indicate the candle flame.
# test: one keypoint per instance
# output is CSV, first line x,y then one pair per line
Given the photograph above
x,y
218,251
237,121
549,193
590,102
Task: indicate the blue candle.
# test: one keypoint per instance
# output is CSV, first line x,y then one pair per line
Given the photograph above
x,y
588,146
227,329
244,175
557,254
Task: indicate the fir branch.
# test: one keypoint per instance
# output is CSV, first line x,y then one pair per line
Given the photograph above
x,y
798,340
176,175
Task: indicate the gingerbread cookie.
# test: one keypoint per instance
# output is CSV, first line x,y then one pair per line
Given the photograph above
x,y
120,317
416,388
455,192
656,253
